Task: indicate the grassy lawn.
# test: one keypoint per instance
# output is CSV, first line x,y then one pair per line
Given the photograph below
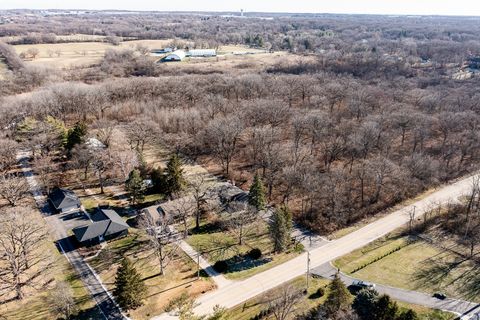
x,y
180,275
254,306
418,266
36,304
216,244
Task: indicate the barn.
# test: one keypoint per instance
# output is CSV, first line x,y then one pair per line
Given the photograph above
x,y
202,53
177,55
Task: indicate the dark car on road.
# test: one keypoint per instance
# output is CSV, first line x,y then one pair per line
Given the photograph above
x,y
439,296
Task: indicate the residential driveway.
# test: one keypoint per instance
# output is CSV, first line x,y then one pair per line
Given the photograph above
x,y
58,230
459,307
240,291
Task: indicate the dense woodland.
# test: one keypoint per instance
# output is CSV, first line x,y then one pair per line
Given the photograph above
x,y
338,138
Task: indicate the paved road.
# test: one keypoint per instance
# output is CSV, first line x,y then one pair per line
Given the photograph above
x,y
102,297
240,291
459,307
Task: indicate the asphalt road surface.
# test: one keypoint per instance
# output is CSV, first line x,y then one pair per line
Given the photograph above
x,y
104,301
241,291
459,307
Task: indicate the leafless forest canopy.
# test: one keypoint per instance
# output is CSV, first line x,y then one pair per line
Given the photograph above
x,y
372,117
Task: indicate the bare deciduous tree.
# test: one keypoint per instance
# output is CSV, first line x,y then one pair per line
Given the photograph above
x,y
222,135
162,238
284,302
239,220
23,261
13,188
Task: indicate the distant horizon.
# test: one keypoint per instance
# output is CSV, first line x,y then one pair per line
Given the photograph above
x,y
467,8
245,12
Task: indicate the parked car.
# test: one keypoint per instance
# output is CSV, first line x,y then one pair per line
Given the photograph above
x,y
439,296
363,284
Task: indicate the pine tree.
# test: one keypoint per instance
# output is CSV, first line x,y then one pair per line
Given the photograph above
x,y
256,197
76,135
385,308
408,315
135,186
364,303
280,229
174,175
338,298
129,288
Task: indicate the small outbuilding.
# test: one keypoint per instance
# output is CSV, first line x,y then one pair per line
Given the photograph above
x,y
64,200
106,224
177,55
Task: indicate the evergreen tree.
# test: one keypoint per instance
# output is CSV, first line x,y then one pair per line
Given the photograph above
x,y
76,135
159,181
408,315
174,175
135,186
280,228
385,309
129,288
364,303
256,197
338,298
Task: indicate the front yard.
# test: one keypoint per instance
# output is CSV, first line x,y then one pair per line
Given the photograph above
x,y
216,244
180,275
416,265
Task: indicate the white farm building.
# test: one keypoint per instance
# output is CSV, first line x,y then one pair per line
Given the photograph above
x,y
177,55
202,53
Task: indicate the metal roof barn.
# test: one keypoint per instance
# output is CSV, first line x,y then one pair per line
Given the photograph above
x,y
202,53
177,55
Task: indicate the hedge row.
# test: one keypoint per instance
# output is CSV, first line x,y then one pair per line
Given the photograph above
x,y
380,257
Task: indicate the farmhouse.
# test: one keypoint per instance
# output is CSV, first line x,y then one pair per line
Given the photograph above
x,y
107,224
202,53
64,200
177,55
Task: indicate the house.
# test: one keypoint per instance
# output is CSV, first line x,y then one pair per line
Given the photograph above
x,y
219,199
202,53
170,211
64,200
177,55
106,224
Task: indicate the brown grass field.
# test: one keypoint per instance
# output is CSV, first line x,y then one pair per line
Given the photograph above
x,y
79,54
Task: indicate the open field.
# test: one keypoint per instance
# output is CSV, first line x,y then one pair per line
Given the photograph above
x,y
417,266
59,38
180,275
79,53
252,307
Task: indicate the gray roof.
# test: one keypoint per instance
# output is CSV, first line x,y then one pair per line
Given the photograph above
x,y
105,222
63,198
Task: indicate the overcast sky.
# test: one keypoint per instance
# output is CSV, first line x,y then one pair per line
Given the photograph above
x,y
423,7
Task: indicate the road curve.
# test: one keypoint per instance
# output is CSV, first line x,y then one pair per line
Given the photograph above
x,y
241,291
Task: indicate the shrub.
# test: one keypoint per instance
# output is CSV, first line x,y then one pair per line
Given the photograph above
x,y
220,266
255,254
320,292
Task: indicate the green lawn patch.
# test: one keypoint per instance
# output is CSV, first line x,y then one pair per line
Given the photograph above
x,y
216,244
418,266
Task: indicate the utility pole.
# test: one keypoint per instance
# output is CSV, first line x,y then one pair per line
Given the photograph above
x,y
198,265
308,270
